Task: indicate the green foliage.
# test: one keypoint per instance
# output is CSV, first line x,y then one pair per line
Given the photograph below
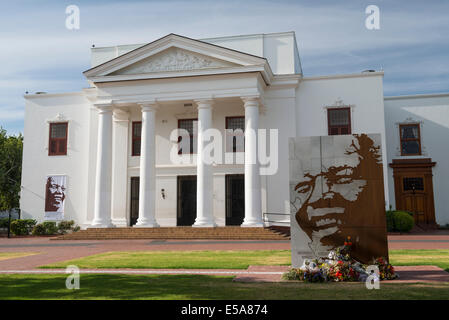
x,y
4,222
21,227
390,220
403,221
11,148
65,226
38,230
399,221
51,228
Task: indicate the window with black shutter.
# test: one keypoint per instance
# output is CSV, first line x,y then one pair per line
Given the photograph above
x,y
235,136
190,125
136,138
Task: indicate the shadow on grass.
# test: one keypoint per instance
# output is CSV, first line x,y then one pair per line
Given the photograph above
x,y
200,287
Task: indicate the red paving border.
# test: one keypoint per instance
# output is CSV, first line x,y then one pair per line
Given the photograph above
x,y
52,252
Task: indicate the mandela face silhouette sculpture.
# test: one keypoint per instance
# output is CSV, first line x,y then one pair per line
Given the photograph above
x,y
341,194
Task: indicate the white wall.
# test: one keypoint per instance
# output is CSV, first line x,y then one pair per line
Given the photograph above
x,y
363,92
432,112
37,164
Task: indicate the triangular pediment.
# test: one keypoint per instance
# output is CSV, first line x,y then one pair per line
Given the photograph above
x,y
174,59
177,56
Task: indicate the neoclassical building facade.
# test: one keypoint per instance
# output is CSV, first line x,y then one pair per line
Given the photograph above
x,y
124,151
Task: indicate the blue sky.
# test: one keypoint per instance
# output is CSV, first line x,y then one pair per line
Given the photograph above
x,y
39,54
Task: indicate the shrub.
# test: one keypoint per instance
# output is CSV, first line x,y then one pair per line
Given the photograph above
x,y
38,230
65,226
403,221
45,228
21,227
50,227
390,220
4,222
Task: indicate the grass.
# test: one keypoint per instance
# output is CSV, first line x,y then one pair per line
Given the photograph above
x,y
13,255
438,258
177,287
179,259
229,259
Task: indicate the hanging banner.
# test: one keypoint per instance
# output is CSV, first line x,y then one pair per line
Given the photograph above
x,y
55,192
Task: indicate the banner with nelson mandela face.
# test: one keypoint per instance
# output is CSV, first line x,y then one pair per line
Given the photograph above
x,y
337,191
55,192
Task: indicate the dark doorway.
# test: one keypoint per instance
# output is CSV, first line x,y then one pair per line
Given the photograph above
x,y
134,200
413,188
186,201
235,199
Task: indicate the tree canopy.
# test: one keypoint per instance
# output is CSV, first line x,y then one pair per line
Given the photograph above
x,y
10,169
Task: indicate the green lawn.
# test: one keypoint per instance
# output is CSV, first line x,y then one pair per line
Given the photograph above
x,y
180,259
176,287
438,258
229,259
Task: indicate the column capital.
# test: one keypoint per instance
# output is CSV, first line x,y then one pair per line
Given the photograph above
x,y
120,115
251,100
146,106
104,107
204,103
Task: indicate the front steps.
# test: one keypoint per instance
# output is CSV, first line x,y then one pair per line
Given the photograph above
x,y
181,233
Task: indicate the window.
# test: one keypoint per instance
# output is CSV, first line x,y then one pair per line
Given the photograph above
x,y
412,184
57,145
190,125
339,121
235,140
410,139
136,137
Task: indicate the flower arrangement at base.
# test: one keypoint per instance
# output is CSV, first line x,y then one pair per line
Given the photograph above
x,y
339,266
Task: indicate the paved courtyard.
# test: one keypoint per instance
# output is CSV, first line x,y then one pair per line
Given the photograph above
x,y
52,251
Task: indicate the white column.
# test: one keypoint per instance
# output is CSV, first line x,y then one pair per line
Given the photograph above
x,y
253,201
120,126
147,191
204,183
102,209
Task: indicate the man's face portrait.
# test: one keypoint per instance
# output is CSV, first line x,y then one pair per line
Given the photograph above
x,y
55,194
339,193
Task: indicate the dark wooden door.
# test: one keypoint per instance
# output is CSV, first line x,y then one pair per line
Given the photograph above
x,y
413,188
235,199
186,201
134,215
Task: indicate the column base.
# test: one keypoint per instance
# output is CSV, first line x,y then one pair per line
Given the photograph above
x,y
204,224
101,224
252,224
146,224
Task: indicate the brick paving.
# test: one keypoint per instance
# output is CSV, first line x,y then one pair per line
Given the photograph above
x,y
56,251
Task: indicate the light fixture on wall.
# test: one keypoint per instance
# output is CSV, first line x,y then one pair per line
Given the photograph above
x,y
163,193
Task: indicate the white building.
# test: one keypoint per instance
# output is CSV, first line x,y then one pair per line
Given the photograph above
x,y
103,138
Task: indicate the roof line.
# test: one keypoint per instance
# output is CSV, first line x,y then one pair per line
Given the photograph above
x,y
421,95
173,34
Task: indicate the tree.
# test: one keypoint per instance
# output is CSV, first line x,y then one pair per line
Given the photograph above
x,y
11,148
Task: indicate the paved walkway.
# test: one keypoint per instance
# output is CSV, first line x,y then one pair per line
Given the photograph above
x,y
51,251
